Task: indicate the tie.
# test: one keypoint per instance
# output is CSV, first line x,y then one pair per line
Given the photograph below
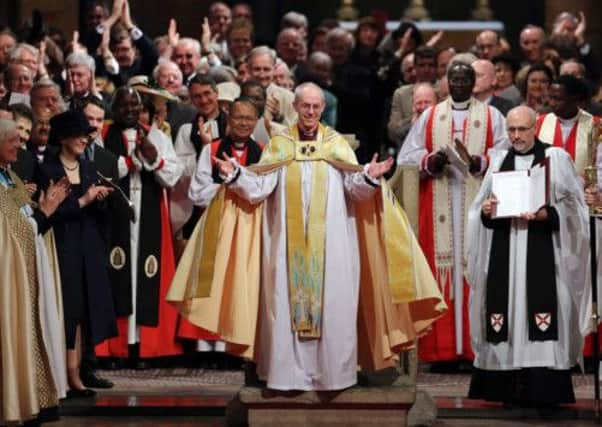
x,y
90,152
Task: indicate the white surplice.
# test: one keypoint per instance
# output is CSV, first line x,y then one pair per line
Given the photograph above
x,y
180,206
166,176
571,262
285,361
413,151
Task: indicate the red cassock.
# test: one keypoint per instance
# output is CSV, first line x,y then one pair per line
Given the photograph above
x,y
440,343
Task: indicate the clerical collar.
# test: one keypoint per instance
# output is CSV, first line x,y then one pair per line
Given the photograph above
x,y
460,105
529,152
308,135
569,121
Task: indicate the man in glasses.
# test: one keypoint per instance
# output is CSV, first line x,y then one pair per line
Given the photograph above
x,y
530,302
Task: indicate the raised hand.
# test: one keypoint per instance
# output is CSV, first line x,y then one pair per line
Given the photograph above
x,y
75,44
69,83
580,30
272,107
147,150
126,17
405,43
42,72
435,39
116,12
225,167
54,195
206,38
204,132
377,169
173,36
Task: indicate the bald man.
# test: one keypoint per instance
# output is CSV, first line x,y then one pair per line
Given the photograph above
x,y
485,86
531,43
530,302
487,44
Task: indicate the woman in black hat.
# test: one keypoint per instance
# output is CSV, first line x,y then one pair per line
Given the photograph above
x,y
87,301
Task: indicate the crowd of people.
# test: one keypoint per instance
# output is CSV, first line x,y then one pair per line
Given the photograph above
x,y
177,195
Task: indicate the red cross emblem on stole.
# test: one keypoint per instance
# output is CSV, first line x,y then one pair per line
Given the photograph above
x,y
543,320
497,321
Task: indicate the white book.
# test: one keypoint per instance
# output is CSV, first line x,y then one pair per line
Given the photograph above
x,y
455,158
520,191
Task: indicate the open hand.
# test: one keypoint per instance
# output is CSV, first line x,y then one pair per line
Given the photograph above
x,y
435,39
204,132
488,206
272,106
172,33
580,30
54,195
378,169
225,167
540,215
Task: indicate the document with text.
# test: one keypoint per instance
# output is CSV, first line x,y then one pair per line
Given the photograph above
x,y
521,191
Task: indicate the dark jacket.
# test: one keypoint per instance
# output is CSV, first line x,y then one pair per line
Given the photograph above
x,y
502,104
25,166
84,275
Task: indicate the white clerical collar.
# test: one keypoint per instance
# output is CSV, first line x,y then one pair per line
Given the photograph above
x,y
460,105
570,121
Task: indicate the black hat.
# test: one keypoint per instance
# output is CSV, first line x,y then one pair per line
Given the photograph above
x,y
68,125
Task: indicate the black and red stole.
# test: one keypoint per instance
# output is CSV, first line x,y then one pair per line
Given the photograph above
x,y
149,242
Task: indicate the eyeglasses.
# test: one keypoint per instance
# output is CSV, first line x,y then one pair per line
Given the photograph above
x,y
243,118
519,129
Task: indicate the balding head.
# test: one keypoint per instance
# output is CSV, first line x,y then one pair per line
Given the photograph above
x,y
484,79
531,42
288,45
339,44
423,96
572,67
220,18
520,124
320,64
309,104
488,43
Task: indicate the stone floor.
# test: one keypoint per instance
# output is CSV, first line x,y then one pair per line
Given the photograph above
x,y
188,381
197,397
219,422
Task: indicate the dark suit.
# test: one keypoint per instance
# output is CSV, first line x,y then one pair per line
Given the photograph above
x,y
25,166
177,115
502,104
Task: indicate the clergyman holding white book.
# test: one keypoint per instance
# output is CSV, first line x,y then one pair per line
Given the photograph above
x,y
529,298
